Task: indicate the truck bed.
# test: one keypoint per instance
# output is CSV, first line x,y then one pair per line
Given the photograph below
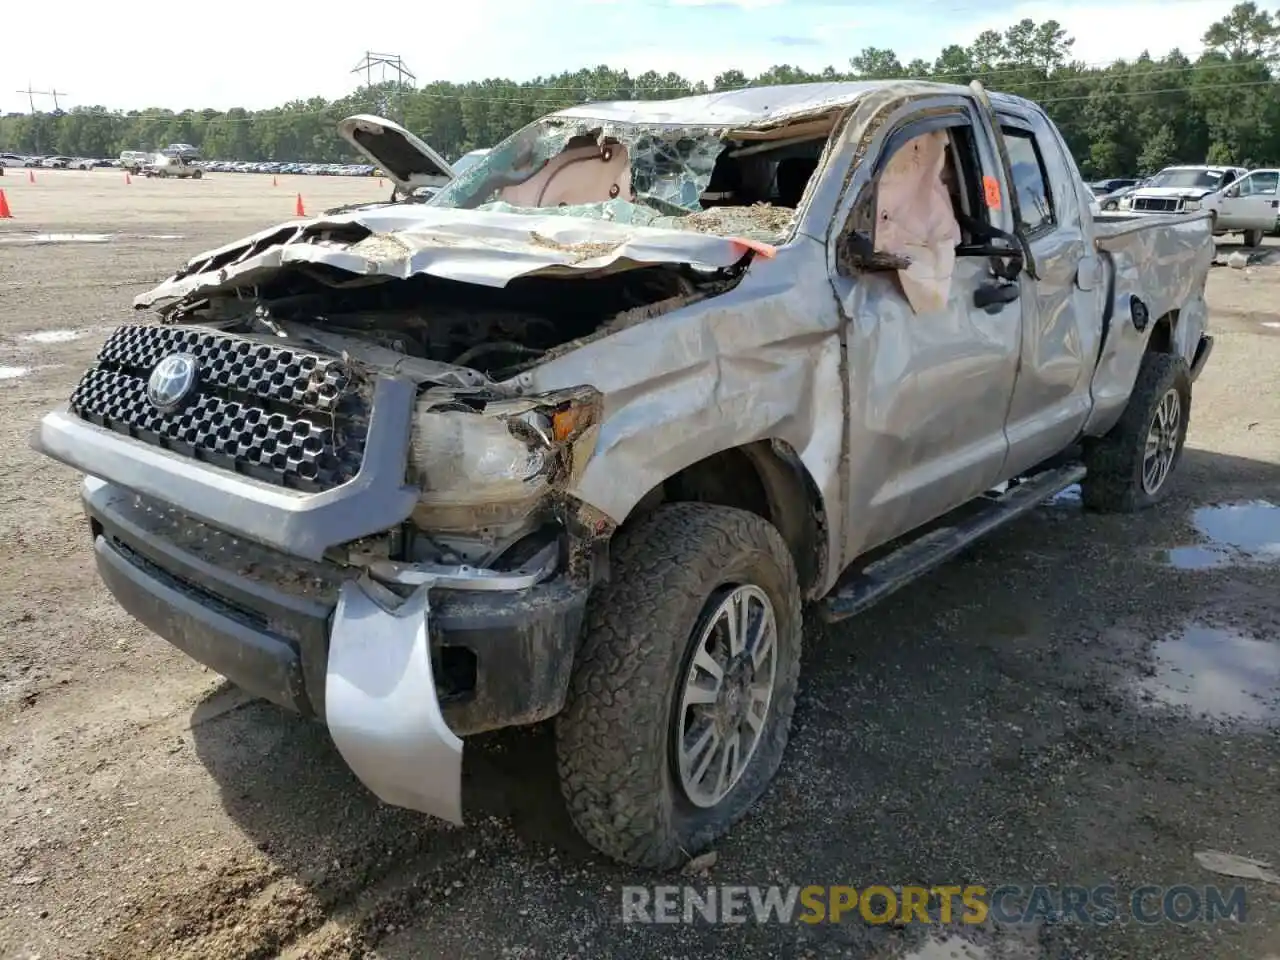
x,y
1110,224
1163,259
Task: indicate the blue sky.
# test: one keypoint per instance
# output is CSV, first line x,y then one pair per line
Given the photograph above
x,y
223,53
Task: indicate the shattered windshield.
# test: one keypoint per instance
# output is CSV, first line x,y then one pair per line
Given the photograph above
x,y
591,168
1206,179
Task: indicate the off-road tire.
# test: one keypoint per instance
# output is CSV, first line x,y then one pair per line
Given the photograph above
x,y
613,739
197,174
1253,238
1113,483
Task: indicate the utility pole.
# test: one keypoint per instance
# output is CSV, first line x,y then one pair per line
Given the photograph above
x,y
392,62
31,102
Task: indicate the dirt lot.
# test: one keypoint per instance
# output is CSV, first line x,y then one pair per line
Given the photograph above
x,y
1080,700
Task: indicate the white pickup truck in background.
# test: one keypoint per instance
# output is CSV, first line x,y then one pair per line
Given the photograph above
x,y
1250,206
1239,200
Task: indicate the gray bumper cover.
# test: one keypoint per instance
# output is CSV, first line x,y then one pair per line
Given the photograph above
x,y
380,702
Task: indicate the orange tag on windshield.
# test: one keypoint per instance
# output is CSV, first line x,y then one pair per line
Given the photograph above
x,y
991,188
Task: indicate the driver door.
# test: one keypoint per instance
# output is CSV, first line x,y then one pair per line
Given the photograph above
x,y
928,389
1252,202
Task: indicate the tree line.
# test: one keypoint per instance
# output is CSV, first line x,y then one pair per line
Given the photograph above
x,y
1131,116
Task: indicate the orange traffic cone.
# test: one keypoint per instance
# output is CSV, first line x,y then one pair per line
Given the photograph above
x,y
126,178
31,176
275,182
379,183
298,209
4,208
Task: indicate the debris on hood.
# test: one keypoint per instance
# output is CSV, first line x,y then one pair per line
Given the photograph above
x,y
400,241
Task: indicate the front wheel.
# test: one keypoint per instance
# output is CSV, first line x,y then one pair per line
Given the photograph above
x,y
1253,238
1129,468
681,700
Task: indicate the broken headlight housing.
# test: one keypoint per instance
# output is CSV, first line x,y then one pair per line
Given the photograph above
x,y
483,465
474,458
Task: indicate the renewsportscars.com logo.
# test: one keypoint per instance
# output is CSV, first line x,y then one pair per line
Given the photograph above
x,y
1010,904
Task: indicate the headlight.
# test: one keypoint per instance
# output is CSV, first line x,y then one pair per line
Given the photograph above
x,y
465,456
1191,205
503,455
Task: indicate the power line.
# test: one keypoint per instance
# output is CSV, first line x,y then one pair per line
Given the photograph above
x,y
387,61
31,101
564,101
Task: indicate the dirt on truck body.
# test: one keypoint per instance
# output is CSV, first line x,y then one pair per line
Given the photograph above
x,y
580,435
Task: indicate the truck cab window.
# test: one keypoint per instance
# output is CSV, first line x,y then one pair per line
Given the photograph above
x,y
1035,200
1262,183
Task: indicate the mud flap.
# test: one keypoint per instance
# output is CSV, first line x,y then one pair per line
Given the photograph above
x,y
380,701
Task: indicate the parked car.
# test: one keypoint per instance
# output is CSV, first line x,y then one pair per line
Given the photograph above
x,y
1102,188
56,163
134,160
1111,201
1182,189
165,167
1250,206
632,441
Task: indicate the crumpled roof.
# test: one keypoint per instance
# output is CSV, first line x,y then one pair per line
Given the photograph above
x,y
748,107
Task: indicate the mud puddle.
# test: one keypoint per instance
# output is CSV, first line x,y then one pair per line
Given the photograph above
x,y
1216,673
1247,532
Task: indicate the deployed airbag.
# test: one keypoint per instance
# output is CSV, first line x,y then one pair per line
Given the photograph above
x,y
593,174
914,219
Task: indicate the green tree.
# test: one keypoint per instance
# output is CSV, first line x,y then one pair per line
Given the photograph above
x,y
1135,114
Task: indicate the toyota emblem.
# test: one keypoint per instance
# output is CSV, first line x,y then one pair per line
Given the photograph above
x,y
172,381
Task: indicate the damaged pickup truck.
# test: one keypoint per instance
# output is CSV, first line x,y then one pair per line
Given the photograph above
x,y
581,435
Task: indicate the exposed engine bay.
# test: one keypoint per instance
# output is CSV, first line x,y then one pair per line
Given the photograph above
x,y
454,330
488,461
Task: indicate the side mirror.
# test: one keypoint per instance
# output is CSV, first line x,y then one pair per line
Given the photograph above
x,y
856,253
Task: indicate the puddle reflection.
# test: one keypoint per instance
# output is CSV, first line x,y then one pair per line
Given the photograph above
x,y
1216,673
1238,533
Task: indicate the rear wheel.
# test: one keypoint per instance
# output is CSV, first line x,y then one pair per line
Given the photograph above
x,y
681,701
1253,238
1130,467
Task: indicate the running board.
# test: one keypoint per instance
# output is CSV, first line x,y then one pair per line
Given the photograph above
x,y
912,560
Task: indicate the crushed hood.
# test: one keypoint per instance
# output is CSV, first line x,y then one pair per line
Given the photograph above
x,y
482,247
407,161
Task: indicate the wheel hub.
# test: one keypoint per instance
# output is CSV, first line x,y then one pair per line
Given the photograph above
x,y
726,693
1162,441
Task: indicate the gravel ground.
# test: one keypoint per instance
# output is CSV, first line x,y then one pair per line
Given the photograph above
x,y
1079,700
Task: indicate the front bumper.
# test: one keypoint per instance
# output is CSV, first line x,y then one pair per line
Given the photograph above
x,y
394,678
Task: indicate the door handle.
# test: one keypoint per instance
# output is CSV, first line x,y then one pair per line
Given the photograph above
x,y
991,297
